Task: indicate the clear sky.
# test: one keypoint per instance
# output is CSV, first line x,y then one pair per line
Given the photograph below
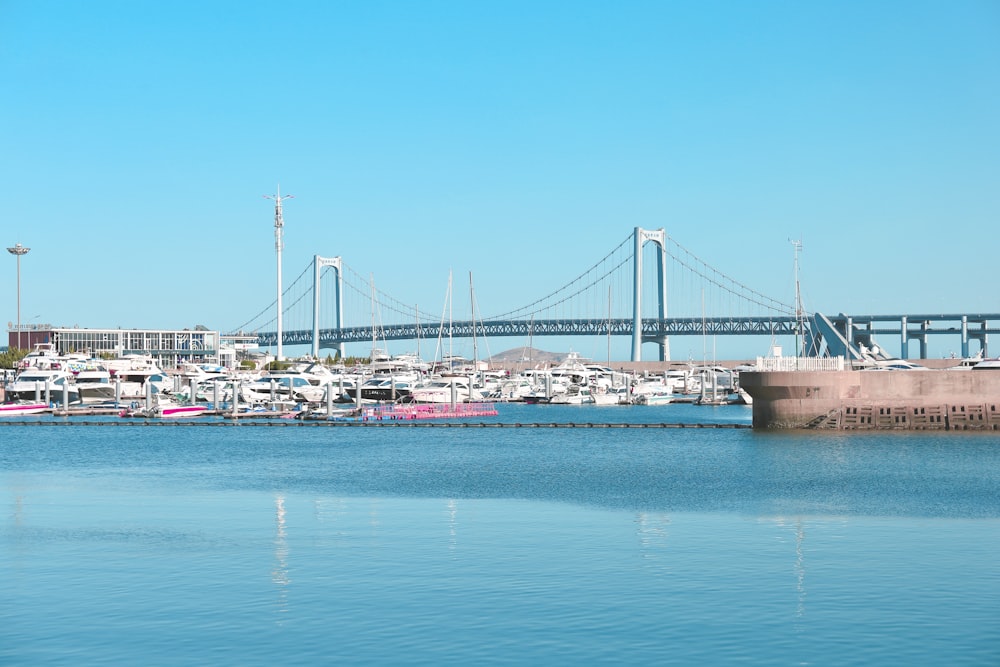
x,y
518,140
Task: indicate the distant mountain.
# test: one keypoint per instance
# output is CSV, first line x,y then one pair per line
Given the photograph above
x,y
526,354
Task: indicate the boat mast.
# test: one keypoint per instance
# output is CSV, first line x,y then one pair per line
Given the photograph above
x,y
416,313
531,333
371,280
475,343
799,333
609,325
451,350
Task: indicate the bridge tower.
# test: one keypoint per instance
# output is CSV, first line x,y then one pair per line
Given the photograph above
x,y
318,264
659,237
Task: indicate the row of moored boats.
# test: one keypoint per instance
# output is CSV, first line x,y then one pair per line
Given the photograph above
x,y
139,387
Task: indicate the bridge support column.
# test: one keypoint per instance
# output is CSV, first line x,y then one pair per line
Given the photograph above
x,y
904,343
318,264
659,237
965,337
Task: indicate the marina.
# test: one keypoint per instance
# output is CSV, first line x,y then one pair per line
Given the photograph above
x,y
883,394
403,388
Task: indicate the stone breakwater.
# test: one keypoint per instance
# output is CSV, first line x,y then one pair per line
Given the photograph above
x,y
871,399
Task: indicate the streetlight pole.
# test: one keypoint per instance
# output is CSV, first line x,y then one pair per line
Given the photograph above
x,y
17,251
279,224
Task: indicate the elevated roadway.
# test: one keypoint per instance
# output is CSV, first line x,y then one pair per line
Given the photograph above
x,y
823,335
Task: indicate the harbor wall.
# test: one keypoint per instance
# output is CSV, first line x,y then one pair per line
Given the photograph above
x,y
850,399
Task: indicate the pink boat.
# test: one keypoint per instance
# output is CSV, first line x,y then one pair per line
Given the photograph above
x,y
17,409
182,410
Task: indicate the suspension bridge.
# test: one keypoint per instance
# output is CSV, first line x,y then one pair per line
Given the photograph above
x,y
626,293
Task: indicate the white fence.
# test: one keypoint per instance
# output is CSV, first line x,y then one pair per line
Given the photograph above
x,y
800,363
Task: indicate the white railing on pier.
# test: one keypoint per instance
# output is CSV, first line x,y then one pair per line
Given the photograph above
x,y
800,363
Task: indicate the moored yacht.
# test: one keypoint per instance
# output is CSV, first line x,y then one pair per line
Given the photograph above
x,y
94,385
32,384
446,389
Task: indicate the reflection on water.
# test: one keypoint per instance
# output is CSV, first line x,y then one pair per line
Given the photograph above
x,y
576,548
652,530
800,569
452,524
279,575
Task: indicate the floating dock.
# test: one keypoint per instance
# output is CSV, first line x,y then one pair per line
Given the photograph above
x,y
411,411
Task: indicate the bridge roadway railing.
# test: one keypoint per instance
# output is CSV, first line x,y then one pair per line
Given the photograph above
x,y
857,329
652,329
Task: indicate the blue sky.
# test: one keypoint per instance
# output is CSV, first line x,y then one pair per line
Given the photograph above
x,y
521,141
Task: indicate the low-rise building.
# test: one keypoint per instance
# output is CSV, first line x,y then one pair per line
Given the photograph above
x,y
168,347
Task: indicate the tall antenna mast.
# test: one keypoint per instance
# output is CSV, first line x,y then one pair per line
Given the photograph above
x,y
279,224
799,333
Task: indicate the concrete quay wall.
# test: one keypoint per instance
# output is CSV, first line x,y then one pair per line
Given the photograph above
x,y
936,399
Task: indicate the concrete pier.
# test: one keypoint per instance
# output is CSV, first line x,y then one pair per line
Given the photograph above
x,y
875,399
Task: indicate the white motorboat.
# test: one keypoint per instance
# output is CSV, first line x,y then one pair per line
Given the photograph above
x,y
133,382
94,385
575,394
22,408
610,395
288,386
653,398
166,408
35,384
134,372
652,391
445,389
382,388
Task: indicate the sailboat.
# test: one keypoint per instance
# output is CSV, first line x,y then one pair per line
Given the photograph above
x,y
710,374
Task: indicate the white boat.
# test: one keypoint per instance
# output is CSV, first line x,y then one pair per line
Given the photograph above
x,y
574,395
652,391
292,386
43,356
94,385
610,395
575,369
653,398
165,408
513,389
34,383
18,409
382,388
548,388
135,372
443,389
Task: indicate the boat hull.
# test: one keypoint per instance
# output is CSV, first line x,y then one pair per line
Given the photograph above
x,y
183,411
18,409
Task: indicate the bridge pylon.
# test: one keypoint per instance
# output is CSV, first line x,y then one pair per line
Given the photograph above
x,y
318,264
659,237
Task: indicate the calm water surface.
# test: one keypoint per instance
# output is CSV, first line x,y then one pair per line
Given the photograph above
x,y
257,545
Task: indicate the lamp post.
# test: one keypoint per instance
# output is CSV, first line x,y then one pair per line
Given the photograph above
x,y
279,224
17,251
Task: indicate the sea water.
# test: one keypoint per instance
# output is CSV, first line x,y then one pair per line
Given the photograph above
x,y
256,545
